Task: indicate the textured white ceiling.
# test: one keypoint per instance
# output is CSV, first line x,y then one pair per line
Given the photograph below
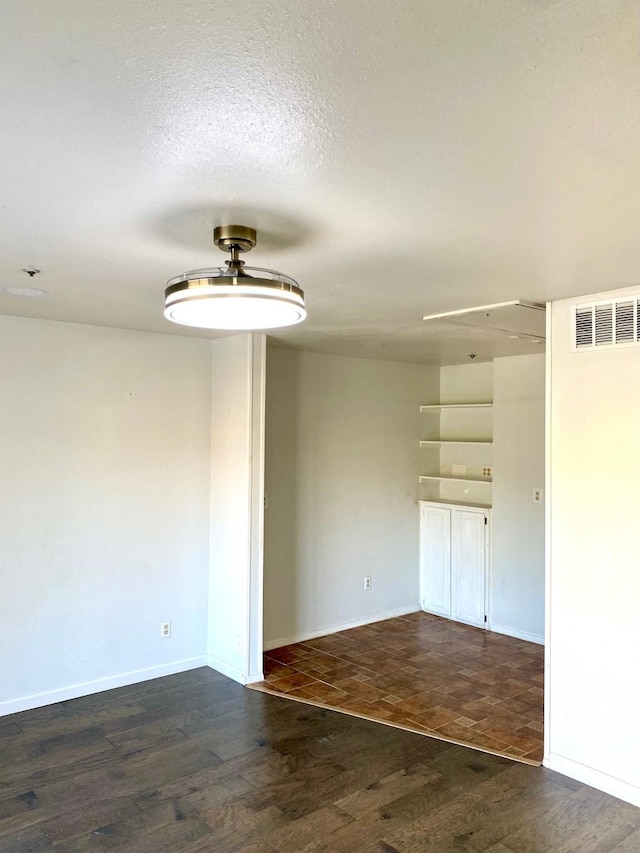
x,y
397,158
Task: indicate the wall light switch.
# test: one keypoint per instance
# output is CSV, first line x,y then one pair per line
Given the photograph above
x,y
458,470
538,495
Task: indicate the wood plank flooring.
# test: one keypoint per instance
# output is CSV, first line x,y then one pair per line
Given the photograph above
x,y
426,674
195,763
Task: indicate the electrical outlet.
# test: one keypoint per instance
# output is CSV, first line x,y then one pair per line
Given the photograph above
x,y
538,495
487,471
238,644
367,583
458,470
165,630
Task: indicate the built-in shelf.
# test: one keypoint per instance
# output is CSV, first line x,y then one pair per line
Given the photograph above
x,y
425,443
448,502
479,426
433,406
448,477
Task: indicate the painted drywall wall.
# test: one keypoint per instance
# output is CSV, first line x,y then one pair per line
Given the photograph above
x,y
516,604
234,642
342,460
104,503
593,582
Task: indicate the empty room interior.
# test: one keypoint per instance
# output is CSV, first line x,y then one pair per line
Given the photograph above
x,y
319,341
381,504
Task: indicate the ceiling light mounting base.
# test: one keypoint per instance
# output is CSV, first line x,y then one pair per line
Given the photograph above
x,y
238,237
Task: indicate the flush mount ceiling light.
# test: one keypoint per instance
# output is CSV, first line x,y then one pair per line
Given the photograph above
x,y
235,296
29,292
33,292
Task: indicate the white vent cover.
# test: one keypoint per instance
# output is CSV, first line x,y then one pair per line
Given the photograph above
x,y
599,325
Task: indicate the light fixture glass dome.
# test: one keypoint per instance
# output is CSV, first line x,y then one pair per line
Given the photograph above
x,y
234,297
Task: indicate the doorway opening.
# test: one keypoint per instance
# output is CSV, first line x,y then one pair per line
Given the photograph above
x,y
404,550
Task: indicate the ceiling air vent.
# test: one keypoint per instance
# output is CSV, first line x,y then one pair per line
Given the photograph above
x,y
613,323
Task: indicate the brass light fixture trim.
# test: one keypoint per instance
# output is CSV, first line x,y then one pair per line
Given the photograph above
x,y
241,237
235,297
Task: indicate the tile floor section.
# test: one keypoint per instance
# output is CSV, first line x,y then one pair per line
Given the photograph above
x,y
426,674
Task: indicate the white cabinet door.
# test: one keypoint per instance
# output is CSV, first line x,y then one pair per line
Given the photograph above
x,y
468,537
435,559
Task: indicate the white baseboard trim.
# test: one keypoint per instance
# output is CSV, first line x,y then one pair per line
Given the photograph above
x,y
519,635
341,626
232,671
602,781
87,688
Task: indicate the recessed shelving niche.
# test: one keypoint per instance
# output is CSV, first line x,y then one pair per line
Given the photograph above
x,y
464,443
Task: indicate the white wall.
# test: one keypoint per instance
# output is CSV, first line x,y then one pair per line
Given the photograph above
x,y
104,502
342,461
234,643
518,536
593,655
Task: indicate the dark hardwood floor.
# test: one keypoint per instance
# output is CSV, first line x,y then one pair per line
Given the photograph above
x,y
195,762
